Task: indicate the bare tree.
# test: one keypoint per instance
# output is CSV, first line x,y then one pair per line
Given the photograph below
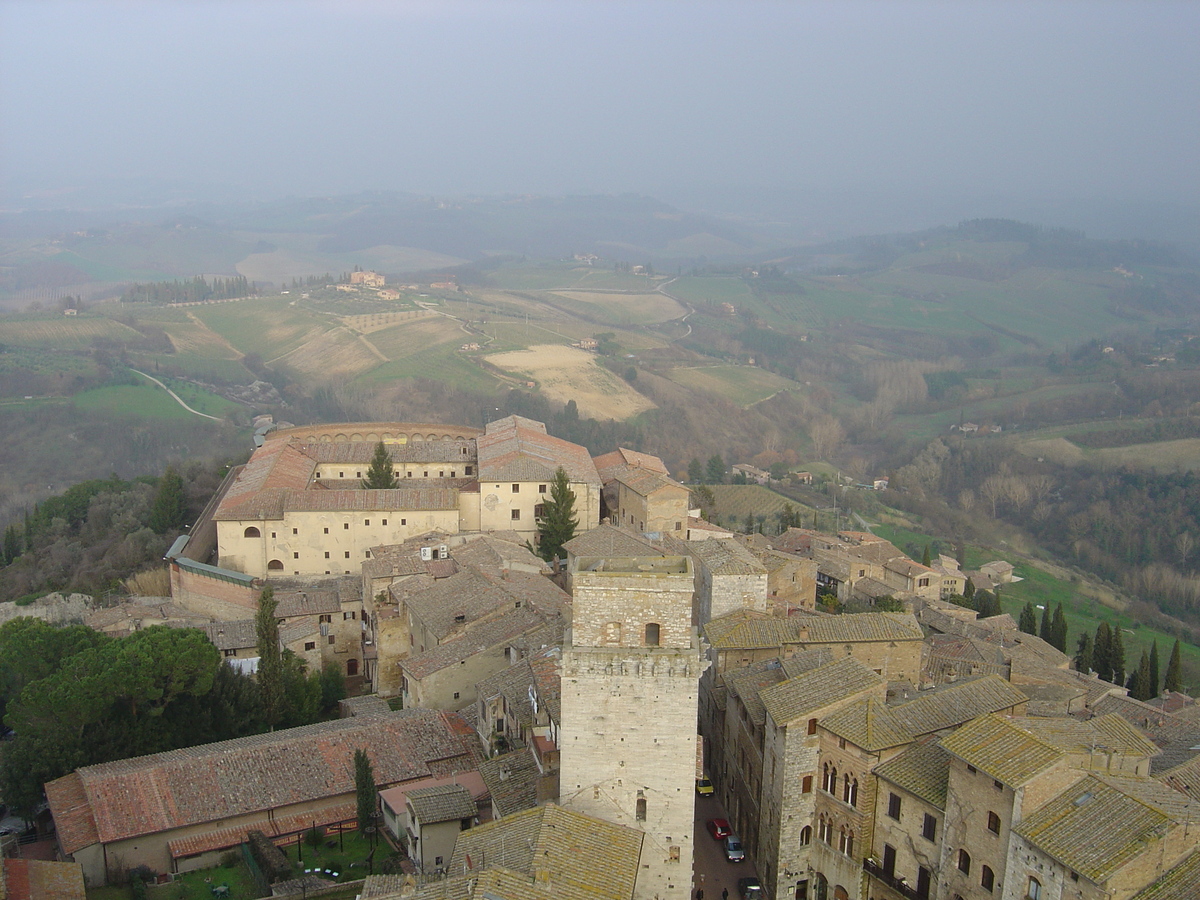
x,y
826,433
992,490
966,499
1185,543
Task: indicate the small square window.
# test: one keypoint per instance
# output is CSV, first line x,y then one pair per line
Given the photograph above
x,y
467,470
455,697
327,554
318,474
516,515
327,531
295,556
310,645
516,489
998,785
541,489
404,521
347,554
358,474
295,531
453,474
366,521
426,473
894,806
272,534
385,521
408,474
929,828
333,639
971,769
441,473
345,526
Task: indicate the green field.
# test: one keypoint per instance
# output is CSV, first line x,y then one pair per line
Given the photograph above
x,y
149,401
444,364
62,332
270,327
743,385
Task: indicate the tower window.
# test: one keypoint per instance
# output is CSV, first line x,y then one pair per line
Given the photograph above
x,y
641,809
652,634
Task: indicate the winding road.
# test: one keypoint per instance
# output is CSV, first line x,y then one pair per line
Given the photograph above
x,y
178,399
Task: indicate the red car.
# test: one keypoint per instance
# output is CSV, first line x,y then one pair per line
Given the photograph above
x,y
719,829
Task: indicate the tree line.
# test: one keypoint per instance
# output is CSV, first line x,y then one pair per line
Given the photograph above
x,y
193,290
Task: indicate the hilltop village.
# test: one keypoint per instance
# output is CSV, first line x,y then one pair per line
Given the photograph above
x,y
557,730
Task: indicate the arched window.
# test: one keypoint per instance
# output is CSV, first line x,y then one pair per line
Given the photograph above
x,y
352,667
651,634
251,531
988,881
849,841
275,565
805,835
1034,891
806,785
846,787
964,862
993,823
825,777
854,792
842,838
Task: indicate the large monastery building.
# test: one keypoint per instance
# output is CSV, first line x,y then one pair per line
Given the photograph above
x,y
298,508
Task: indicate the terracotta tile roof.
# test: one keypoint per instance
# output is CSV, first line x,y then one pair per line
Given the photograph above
x,y
271,826
1175,736
1182,882
747,685
450,604
306,603
512,781
1001,749
1094,828
290,633
608,463
1184,778
414,451
547,675
1109,733
474,640
562,844
38,879
922,769
958,703
237,635
725,556
514,685
212,782
645,483
442,803
276,466
609,540
868,724
818,689
744,629
73,818
519,449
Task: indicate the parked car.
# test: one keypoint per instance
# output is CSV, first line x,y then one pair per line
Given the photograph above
x,y
704,787
733,849
719,829
750,888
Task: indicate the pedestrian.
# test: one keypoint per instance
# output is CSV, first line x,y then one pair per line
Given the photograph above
x,y
725,894
700,894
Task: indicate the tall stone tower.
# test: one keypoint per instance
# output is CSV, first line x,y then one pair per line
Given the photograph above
x,y
630,680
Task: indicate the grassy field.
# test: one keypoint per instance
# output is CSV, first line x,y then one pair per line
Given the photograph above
x,y
621,309
744,385
1084,605
270,327
336,354
564,373
412,336
443,363
549,276
62,332
149,401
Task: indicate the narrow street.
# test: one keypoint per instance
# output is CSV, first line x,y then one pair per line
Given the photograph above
x,y
711,872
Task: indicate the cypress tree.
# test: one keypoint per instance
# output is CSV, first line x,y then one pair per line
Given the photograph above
x,y
1044,630
925,558
1117,656
1174,677
558,523
1028,620
364,790
270,658
170,506
1154,680
1058,629
1083,653
1102,652
380,476
12,544
969,589
1139,680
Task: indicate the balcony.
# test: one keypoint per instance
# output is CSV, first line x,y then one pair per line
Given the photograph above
x,y
897,883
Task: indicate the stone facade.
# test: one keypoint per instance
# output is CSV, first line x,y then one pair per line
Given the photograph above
x,y
630,676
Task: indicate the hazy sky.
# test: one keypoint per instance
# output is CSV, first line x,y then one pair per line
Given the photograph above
x,y
1087,99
